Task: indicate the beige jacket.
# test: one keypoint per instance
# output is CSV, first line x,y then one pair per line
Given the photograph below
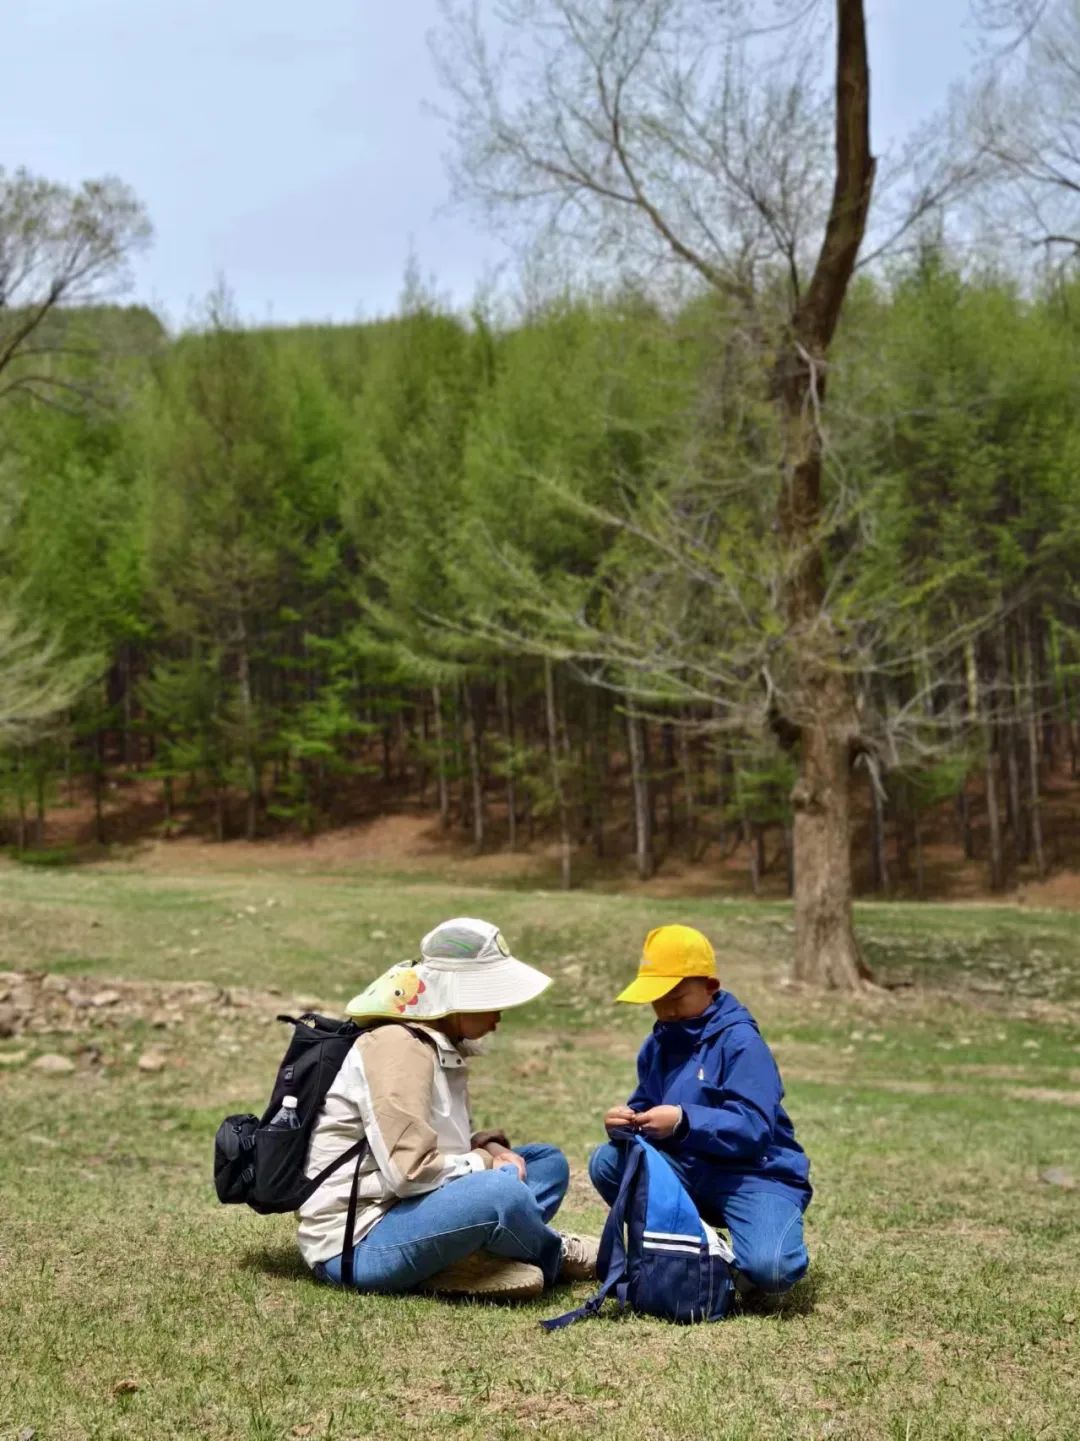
x,y
408,1096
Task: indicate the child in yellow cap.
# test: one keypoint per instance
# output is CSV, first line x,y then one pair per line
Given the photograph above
x,y
709,1096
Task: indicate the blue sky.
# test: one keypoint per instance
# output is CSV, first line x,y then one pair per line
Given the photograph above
x,y
288,147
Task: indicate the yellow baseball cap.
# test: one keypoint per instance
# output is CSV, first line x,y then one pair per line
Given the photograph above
x,y
670,954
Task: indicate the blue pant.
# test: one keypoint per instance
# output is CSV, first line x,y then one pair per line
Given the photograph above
x,y
765,1226
486,1211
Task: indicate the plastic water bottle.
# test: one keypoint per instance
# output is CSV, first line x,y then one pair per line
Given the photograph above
x,y
287,1118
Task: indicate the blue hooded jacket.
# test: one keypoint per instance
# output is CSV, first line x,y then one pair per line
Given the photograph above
x,y
735,1134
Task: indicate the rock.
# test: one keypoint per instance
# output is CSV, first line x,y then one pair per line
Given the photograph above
x,y
27,1433
79,999
53,1065
9,1020
125,1387
105,998
10,1059
159,1020
152,1060
1058,1176
55,983
307,1003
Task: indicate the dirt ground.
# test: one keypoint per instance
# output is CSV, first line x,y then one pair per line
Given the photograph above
x,y
406,839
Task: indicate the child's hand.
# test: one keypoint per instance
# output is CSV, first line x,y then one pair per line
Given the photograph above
x,y
619,1118
658,1123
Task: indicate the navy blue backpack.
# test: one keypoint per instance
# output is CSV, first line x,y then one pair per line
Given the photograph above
x,y
657,1255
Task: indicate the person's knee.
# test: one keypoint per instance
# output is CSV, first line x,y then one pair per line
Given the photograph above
x,y
504,1193
605,1170
774,1267
555,1166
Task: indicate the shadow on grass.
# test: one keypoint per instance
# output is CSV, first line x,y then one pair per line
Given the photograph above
x,y
799,1301
284,1262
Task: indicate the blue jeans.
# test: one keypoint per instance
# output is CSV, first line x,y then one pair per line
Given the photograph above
x,y
487,1211
765,1226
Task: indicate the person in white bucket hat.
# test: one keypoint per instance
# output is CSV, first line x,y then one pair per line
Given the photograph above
x,y
438,1206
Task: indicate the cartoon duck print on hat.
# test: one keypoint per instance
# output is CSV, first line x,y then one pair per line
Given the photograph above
x,y
406,987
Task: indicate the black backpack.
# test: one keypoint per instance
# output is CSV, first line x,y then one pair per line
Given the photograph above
x,y
262,1166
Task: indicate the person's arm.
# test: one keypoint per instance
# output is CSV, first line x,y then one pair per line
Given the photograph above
x,y
641,1098
645,1093
398,1070
739,1125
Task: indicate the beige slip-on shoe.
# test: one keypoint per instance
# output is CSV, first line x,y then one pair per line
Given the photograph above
x,y
483,1274
578,1258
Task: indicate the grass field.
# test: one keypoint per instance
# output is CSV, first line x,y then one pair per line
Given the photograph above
x,y
945,1287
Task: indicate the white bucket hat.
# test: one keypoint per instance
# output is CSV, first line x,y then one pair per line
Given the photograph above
x,y
464,965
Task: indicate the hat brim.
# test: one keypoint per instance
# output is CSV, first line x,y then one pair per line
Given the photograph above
x,y
496,985
648,988
499,986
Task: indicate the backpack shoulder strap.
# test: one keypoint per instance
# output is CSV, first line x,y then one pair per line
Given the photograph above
x,y
612,1258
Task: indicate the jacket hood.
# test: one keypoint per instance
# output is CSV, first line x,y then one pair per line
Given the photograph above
x,y
724,1011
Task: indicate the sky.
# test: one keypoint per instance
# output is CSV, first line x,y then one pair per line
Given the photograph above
x,y
291,149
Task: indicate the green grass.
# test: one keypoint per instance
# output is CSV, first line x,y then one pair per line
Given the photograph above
x,y
943,1298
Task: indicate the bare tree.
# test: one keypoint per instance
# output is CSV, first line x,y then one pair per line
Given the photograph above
x,y
61,249
1025,113
670,135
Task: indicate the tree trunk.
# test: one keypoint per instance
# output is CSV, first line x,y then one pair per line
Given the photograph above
x,y
39,819
506,720
643,852
476,777
993,815
243,667
753,853
556,774
440,758
1033,752
99,787
881,869
688,779
670,771
826,950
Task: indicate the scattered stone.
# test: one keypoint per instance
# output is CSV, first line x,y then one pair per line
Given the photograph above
x,y
10,1059
91,1054
1058,1176
152,1060
160,1020
9,1020
54,983
53,1065
105,998
1069,1318
307,1003
27,1433
79,999
379,936
125,1387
